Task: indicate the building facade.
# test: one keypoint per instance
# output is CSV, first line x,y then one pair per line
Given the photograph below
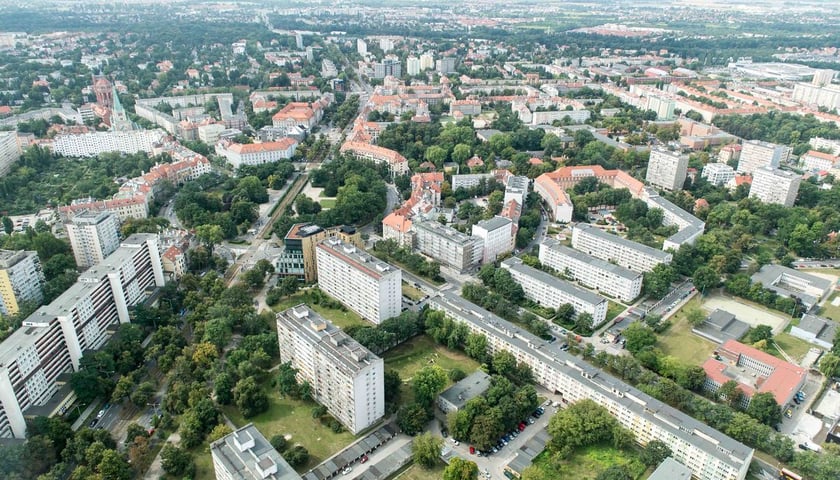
x,y
238,154
365,284
52,340
9,151
246,455
447,245
709,454
718,174
756,154
97,143
608,278
547,290
771,185
93,236
612,248
299,259
21,280
345,376
497,235
469,180
666,169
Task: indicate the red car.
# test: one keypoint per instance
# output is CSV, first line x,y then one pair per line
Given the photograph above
x,y
521,427
364,458
472,450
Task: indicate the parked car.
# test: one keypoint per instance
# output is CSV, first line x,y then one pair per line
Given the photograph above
x,y
364,459
346,470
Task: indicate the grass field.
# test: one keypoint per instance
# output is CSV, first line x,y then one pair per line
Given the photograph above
x,y
203,463
589,462
343,319
614,309
416,472
830,311
795,347
293,418
681,343
411,292
327,202
419,352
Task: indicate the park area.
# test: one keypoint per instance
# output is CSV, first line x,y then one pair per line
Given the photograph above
x,y
419,352
342,318
681,343
587,463
416,472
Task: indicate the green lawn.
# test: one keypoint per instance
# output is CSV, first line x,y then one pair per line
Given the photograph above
x,y
795,347
587,463
340,318
416,472
286,416
679,342
327,202
412,292
830,311
422,351
614,309
203,463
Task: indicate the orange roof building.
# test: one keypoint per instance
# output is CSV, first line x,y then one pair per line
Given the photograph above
x,y
238,154
755,372
396,162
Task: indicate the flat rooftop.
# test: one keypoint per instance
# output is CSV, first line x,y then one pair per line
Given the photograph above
x,y
356,258
594,262
247,455
516,264
444,231
597,232
466,389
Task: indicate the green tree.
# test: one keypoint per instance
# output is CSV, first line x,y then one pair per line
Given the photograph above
x,y
142,394
427,383
296,456
695,316
830,365
436,155
278,442
731,393
176,461
209,235
763,407
113,466
412,418
657,282
638,336
249,397
426,450
8,225
705,278
461,153
761,332
614,472
504,363
654,453
460,469
581,424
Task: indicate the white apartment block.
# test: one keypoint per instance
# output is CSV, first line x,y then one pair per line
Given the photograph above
x,y
53,339
345,377
210,133
497,235
667,169
427,61
412,66
816,161
447,245
238,154
609,279
819,143
21,280
365,284
771,185
9,151
612,248
93,236
709,454
246,455
547,290
827,96
756,154
97,143
516,188
718,174
469,180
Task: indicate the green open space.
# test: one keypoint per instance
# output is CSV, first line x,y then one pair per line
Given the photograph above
x,y
340,318
327,202
412,292
830,311
679,341
588,462
416,472
422,351
614,309
203,463
795,347
293,418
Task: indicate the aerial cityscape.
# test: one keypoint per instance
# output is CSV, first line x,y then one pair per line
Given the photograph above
x,y
376,240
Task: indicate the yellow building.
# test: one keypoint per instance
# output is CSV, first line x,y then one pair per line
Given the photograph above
x,y
21,279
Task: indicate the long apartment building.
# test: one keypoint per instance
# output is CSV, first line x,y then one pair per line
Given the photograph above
x,y
608,278
21,280
93,236
365,284
53,339
97,143
447,245
550,291
345,377
612,248
709,454
9,151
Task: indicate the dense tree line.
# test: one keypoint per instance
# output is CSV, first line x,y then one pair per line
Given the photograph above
x,y
221,201
389,333
390,251
778,127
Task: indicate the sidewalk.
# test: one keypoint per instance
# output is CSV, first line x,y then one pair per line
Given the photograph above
x,y
155,470
84,416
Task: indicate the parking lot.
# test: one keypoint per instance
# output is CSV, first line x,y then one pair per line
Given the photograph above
x,y
791,426
495,463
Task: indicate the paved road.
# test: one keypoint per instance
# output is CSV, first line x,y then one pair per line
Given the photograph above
x,y
828,263
674,300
